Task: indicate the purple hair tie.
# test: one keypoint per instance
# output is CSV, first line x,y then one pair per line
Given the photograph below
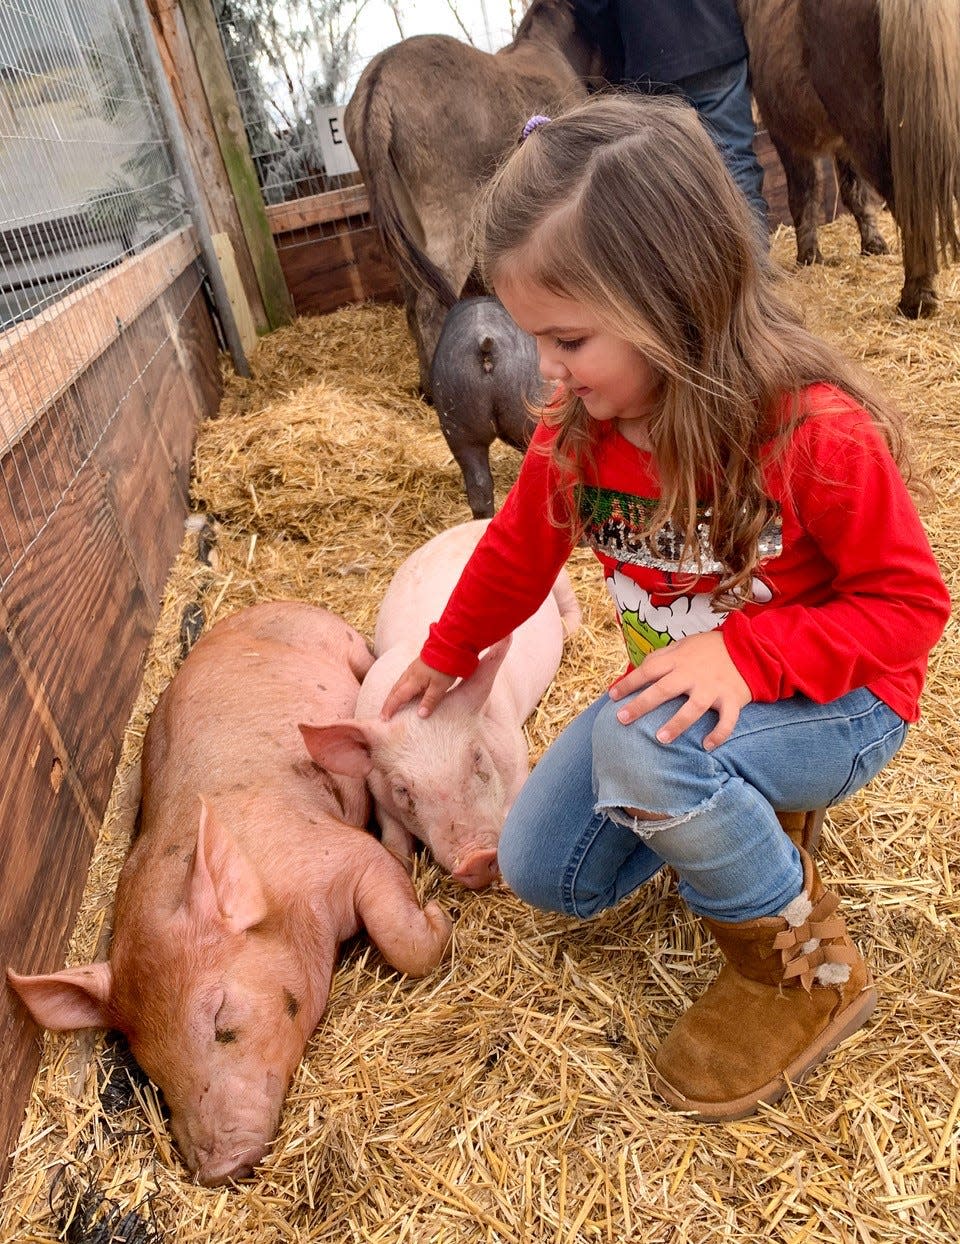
x,y
533,124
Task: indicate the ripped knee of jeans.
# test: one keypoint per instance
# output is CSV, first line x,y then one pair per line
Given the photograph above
x,y
641,822
645,824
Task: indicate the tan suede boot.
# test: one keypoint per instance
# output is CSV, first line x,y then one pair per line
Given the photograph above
x,y
803,828
792,988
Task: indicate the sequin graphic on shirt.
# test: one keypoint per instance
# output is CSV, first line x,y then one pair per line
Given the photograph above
x,y
615,526
650,621
656,615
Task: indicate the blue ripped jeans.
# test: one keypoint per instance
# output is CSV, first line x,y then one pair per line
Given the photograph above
x,y
568,844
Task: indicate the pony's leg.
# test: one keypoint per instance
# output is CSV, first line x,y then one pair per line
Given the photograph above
x,y
412,299
446,248
803,197
859,202
918,298
425,316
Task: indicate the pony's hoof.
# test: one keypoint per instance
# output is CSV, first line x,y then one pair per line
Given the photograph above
x,y
919,304
874,246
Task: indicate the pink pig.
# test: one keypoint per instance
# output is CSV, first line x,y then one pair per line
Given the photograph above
x,y
248,871
448,779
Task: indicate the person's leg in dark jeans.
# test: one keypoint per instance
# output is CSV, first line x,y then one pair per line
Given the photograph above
x,y
722,98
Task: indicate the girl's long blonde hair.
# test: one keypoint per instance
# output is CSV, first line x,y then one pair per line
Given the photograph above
x,y
625,205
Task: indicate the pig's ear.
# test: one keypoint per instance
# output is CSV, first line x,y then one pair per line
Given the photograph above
x,y
343,747
473,692
223,885
73,998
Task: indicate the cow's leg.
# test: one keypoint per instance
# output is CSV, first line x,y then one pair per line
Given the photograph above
x,y
803,197
859,201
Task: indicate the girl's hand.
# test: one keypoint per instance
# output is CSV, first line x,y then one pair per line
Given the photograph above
x,y
417,679
698,667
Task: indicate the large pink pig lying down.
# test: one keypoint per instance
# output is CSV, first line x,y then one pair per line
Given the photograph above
x,y
451,778
248,871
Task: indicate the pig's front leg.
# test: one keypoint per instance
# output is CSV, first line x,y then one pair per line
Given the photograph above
x,y
398,840
412,939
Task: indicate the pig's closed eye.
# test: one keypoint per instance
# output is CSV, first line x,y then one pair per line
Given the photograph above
x,y
478,767
402,797
223,1030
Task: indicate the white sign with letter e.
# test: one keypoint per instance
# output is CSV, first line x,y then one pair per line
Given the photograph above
x,y
337,156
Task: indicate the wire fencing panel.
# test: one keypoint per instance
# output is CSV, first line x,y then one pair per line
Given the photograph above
x,y
286,61
292,62
85,183
293,67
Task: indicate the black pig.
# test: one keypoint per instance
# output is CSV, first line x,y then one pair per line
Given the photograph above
x,y
483,375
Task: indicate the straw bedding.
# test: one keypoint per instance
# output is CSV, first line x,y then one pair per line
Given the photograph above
x,y
505,1097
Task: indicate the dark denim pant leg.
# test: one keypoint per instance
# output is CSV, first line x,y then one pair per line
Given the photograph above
x,y
722,98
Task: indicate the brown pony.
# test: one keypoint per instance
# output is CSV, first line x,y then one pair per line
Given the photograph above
x,y
875,83
428,122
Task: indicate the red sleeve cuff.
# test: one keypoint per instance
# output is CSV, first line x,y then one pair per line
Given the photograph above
x,y
447,658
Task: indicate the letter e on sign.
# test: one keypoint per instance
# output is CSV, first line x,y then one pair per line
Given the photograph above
x,y
337,156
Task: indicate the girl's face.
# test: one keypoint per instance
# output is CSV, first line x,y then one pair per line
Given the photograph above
x,y
611,377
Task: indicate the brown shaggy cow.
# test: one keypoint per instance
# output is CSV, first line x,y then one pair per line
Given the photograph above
x,y
876,83
428,122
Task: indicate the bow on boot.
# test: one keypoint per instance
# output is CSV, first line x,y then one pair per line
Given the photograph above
x,y
792,987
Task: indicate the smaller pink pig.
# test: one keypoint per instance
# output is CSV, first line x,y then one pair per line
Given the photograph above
x,y
448,779
249,869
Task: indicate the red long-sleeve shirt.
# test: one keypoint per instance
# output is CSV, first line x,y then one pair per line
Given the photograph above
x,y
847,593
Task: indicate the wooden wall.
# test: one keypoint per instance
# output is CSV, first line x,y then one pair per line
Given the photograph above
x,y
78,609
330,252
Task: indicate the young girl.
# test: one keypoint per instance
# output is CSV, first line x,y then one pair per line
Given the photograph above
x,y
739,485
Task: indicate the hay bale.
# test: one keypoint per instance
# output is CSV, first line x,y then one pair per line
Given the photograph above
x,y
505,1098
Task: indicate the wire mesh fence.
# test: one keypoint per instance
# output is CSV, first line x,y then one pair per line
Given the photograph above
x,y
86,182
291,63
284,66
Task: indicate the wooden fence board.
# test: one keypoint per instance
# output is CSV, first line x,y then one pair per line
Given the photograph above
x,y
180,66
77,607
235,150
197,344
326,271
39,359
33,475
110,461
318,209
142,478
41,822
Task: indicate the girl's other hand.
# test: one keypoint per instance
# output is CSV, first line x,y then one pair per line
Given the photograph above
x,y
697,667
418,679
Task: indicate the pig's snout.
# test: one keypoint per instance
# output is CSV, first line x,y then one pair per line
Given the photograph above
x,y
477,869
229,1135
219,1168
